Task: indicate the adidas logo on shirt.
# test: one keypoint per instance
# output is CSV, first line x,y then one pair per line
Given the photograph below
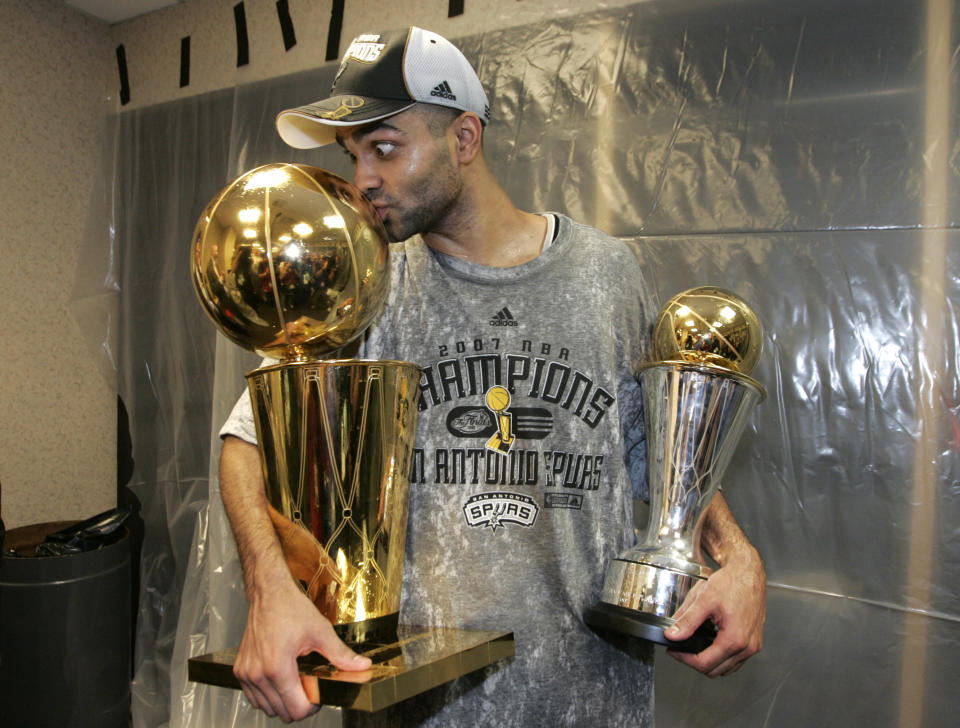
x,y
503,317
443,91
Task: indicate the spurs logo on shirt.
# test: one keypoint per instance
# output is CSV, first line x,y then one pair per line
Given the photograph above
x,y
494,510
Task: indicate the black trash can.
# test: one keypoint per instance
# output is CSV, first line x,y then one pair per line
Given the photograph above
x,y
64,635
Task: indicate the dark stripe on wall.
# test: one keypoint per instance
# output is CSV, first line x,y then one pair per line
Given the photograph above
x,y
124,80
455,8
333,33
286,24
185,61
243,44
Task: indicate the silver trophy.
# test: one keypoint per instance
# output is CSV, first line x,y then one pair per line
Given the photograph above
x,y
698,399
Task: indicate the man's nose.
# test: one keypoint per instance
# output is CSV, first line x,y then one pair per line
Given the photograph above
x,y
365,178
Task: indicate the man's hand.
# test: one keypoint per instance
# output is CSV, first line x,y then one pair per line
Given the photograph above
x,y
281,626
733,598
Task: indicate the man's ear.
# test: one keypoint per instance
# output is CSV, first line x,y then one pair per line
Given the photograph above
x,y
468,130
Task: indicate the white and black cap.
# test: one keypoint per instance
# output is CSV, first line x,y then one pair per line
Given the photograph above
x,y
382,74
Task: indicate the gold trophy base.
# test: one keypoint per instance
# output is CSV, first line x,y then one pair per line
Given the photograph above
x,y
420,659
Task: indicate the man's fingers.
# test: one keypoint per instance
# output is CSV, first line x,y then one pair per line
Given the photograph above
x,y
267,701
706,662
295,702
688,620
311,686
689,615
257,699
726,668
725,656
336,651
255,696
277,692
731,664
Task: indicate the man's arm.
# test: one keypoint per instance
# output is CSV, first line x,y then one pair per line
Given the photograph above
x,y
282,623
734,597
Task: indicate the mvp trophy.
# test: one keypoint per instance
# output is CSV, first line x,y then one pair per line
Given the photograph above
x,y
698,400
292,262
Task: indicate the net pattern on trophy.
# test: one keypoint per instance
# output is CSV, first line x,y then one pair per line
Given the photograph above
x,y
364,582
337,439
695,421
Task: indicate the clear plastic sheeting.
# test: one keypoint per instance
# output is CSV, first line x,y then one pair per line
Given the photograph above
x,y
804,155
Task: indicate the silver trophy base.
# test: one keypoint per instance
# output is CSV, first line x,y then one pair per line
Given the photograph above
x,y
610,621
639,600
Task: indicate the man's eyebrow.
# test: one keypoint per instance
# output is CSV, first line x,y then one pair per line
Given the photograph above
x,y
366,131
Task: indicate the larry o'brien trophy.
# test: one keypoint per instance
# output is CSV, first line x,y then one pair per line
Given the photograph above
x,y
698,399
292,262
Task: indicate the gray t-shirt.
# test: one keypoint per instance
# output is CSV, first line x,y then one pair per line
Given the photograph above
x,y
519,539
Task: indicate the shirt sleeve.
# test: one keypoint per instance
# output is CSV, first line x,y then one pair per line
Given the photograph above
x,y
240,422
643,310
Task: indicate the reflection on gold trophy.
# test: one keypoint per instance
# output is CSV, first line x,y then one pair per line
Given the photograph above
x,y
698,399
292,262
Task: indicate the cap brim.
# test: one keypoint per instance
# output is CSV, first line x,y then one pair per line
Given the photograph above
x,y
315,125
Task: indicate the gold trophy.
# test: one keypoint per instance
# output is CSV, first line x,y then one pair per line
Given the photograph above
x,y
292,262
698,399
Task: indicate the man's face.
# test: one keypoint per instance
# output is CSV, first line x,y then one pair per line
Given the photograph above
x,y
409,175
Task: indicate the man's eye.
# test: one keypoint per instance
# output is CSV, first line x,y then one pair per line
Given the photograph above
x,y
353,159
382,149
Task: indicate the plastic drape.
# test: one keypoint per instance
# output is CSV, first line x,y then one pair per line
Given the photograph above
x,y
804,155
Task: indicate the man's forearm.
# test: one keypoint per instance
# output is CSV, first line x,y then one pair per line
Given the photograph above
x,y
722,537
244,499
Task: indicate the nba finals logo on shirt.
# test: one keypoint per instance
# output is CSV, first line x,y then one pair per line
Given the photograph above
x,y
494,510
498,399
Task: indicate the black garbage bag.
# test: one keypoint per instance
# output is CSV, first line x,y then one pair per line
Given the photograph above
x,y
94,533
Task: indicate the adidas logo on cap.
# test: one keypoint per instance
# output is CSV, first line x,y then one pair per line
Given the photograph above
x,y
443,91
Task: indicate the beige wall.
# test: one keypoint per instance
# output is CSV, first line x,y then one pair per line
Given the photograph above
x,y
60,81
57,409
152,42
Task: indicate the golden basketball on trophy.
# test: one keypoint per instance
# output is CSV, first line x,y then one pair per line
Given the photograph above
x,y
290,261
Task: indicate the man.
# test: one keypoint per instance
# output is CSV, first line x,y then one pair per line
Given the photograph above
x,y
559,312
